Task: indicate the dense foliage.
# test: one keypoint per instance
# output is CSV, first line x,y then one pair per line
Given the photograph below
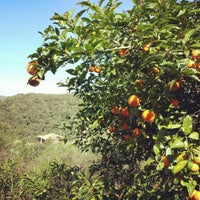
x,y
137,73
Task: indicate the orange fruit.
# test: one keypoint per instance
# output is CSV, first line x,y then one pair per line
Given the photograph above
x,y
124,126
112,129
133,101
194,167
91,69
114,110
97,69
174,102
34,81
191,64
31,67
124,112
136,131
123,52
139,83
196,160
195,54
175,86
192,195
148,116
165,160
127,137
146,47
155,70
196,195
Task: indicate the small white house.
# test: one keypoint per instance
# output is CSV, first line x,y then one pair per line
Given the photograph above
x,y
50,137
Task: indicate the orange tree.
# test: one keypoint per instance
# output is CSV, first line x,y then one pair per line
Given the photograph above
x,y
137,73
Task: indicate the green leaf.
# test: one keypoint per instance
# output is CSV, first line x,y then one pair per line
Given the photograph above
x,y
156,150
178,143
170,125
177,168
94,124
78,15
71,71
181,12
194,136
146,163
188,35
187,125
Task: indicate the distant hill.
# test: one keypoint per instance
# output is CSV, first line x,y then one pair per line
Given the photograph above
x,y
27,115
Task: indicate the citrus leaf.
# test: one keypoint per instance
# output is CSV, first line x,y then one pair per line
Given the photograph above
x,y
170,126
187,125
188,35
146,163
178,143
177,168
194,136
156,150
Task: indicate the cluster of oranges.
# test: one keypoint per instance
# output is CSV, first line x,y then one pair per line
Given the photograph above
x,y
193,164
133,101
32,70
96,69
124,51
195,55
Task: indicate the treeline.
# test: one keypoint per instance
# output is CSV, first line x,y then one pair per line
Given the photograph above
x,y
33,114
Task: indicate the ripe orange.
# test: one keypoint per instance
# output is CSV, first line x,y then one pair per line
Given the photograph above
x,y
196,160
91,69
196,195
123,52
146,47
192,195
133,101
124,126
124,112
139,83
155,70
165,160
194,167
136,131
34,81
148,116
127,137
97,69
195,54
114,110
174,102
175,86
191,64
112,129
31,67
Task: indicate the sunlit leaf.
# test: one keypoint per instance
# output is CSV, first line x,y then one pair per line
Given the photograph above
x,y
187,125
177,143
178,167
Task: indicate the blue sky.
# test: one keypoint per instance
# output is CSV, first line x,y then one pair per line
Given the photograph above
x,y
20,21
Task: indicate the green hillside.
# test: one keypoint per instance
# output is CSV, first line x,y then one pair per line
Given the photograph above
x,y
28,115
24,116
